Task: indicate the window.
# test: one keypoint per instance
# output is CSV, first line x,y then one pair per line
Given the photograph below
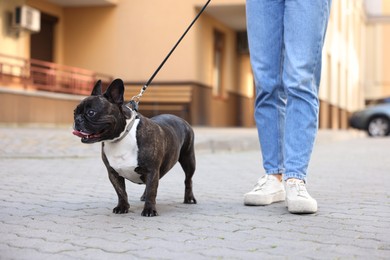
x,y
219,48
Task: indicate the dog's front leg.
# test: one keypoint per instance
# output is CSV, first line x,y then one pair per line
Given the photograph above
x,y
150,194
119,185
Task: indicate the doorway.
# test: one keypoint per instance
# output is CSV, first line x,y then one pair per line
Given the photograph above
x,y
42,43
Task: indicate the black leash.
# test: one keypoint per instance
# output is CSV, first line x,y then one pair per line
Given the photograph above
x,y
135,100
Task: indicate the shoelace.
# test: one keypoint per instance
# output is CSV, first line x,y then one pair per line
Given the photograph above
x,y
262,182
300,188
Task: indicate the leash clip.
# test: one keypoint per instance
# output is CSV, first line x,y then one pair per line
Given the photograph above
x,y
133,104
135,99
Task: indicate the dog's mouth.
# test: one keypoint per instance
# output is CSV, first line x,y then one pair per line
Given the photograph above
x,y
86,137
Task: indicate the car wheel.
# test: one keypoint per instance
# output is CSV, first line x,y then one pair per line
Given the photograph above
x,y
378,126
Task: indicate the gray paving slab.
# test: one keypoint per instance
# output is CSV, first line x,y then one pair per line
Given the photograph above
x,y
56,202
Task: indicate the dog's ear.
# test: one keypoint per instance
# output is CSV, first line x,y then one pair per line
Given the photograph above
x,y
97,89
115,91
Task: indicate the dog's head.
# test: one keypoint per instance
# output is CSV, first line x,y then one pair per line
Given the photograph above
x,y
101,116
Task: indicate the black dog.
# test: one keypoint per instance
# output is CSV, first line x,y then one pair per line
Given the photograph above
x,y
134,147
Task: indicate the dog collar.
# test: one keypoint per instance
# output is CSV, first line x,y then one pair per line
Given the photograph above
x,y
129,125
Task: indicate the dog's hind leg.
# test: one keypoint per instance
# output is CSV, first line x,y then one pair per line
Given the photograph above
x,y
150,194
187,162
142,198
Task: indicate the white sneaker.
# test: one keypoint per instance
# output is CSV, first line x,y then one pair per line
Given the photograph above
x,y
298,199
267,190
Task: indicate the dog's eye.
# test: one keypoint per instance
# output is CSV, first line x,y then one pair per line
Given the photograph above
x,y
91,113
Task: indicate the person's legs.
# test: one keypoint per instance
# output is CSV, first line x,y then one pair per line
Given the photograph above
x,y
304,32
265,36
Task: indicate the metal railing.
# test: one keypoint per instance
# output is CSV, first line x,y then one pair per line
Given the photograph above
x,y
48,76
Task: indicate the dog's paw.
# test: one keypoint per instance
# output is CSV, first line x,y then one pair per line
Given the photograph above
x,y
189,198
121,209
150,212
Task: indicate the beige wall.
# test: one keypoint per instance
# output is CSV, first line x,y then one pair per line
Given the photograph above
x,y
205,50
386,60
356,58
24,107
342,84
246,81
130,39
12,42
377,59
17,43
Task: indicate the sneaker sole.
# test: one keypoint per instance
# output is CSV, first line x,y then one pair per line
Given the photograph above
x,y
301,207
256,200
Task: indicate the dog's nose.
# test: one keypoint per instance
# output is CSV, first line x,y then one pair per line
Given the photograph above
x,y
78,119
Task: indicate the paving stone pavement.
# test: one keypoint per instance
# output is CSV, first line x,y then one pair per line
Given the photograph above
x,y
56,202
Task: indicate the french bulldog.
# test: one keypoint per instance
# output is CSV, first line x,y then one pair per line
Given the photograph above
x,y
135,147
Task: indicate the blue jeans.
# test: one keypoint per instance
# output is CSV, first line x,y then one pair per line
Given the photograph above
x,y
285,43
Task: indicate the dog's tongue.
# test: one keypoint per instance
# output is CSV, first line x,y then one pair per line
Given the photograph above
x,y
79,134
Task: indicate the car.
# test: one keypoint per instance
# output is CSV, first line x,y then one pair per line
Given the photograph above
x,y
373,119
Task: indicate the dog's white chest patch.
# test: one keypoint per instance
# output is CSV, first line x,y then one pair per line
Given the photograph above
x,y
123,155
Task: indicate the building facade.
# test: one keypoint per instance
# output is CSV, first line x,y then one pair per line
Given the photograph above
x,y
128,39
